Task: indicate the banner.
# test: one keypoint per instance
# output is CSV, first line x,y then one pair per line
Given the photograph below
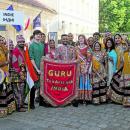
x,y
58,82
11,17
17,27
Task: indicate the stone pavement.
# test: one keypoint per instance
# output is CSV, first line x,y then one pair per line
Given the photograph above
x,y
90,117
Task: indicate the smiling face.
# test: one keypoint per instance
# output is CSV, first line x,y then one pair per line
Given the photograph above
x,y
37,37
109,44
97,47
118,39
90,41
64,40
70,37
81,40
52,44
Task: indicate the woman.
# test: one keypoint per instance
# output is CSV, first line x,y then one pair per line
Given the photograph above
x,y
126,75
84,56
7,103
98,75
90,42
50,54
120,80
112,58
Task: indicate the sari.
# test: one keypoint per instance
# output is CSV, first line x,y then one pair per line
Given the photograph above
x,y
111,65
126,78
7,102
85,89
118,83
99,84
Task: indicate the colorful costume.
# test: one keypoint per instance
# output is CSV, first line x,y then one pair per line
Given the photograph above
x,y
18,76
65,53
119,87
85,88
7,102
99,78
112,65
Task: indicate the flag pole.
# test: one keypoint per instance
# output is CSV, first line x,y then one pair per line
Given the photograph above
x,y
29,101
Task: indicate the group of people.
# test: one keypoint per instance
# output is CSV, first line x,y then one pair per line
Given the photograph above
x,y
104,73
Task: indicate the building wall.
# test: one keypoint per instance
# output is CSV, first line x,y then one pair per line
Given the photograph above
x,y
78,16
29,12
75,16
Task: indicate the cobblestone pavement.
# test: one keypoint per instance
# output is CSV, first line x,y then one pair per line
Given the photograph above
x,y
90,117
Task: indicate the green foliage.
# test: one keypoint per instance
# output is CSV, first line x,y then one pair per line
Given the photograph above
x,y
114,15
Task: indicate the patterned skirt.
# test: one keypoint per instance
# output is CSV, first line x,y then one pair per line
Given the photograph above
x,y
85,88
99,92
119,91
18,86
7,101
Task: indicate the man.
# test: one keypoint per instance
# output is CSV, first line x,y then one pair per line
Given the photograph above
x,y
70,39
19,74
36,51
107,36
65,52
43,38
96,36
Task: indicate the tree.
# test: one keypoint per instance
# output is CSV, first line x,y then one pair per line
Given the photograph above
x,y
114,15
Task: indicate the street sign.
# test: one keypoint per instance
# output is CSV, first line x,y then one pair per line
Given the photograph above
x,y
11,17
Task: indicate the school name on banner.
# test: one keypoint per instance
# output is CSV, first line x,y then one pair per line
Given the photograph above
x,y
59,82
11,17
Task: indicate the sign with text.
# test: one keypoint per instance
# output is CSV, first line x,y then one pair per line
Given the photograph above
x,y
58,82
11,17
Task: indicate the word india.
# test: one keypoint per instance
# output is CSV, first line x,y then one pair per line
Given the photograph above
x,y
57,88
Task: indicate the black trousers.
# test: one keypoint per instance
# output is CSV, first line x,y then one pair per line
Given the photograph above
x,y
32,96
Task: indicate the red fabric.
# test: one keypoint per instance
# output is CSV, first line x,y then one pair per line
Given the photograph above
x,y
62,92
27,24
46,49
29,65
16,64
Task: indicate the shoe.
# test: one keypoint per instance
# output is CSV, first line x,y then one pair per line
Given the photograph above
x,y
21,110
75,104
25,107
37,99
32,107
25,104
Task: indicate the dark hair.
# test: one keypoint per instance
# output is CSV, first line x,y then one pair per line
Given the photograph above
x,y
113,44
63,35
97,33
31,37
43,34
117,35
95,44
36,32
51,40
85,41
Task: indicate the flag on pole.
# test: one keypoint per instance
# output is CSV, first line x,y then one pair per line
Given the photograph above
x,y
37,21
27,24
17,27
